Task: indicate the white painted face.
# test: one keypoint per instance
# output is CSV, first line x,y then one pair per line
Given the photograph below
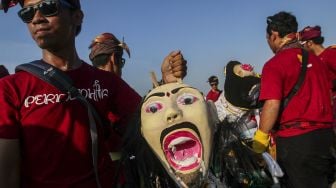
x,y
176,123
243,70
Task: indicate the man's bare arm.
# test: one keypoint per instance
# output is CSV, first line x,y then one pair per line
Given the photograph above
x,y
10,163
269,115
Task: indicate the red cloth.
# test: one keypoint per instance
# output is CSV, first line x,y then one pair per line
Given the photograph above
x,y
54,130
312,103
213,95
328,56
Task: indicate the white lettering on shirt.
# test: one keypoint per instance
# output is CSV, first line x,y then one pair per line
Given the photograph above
x,y
95,93
42,99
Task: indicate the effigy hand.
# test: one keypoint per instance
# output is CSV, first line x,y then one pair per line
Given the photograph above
x,y
173,67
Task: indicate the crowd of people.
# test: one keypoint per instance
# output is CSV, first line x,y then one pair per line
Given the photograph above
x,y
45,138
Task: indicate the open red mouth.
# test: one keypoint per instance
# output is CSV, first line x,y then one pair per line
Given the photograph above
x,y
183,150
247,67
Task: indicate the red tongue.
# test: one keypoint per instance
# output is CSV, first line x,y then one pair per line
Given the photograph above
x,y
183,150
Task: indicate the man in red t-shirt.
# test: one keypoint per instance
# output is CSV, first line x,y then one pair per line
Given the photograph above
x,y
107,54
214,92
45,138
311,40
304,135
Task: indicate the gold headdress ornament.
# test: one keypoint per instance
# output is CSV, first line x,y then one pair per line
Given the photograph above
x,y
107,43
154,80
124,46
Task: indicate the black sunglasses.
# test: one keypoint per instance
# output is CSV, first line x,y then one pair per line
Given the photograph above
x,y
122,62
47,8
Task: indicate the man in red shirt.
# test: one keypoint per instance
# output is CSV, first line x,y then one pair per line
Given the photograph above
x,y
214,92
304,135
45,136
107,54
311,40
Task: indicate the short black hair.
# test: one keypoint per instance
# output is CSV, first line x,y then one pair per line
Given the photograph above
x,y
282,22
318,40
3,71
100,60
213,79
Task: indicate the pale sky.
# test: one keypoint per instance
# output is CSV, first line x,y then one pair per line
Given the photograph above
x,y
209,33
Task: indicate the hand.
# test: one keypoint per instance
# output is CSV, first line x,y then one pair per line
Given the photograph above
x,y
260,141
173,67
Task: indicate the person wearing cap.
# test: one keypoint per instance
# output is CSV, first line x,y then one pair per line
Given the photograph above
x,y
214,92
45,138
240,91
303,128
107,53
311,40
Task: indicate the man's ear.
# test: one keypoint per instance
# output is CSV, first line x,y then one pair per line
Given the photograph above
x,y
113,58
274,35
78,17
108,66
309,43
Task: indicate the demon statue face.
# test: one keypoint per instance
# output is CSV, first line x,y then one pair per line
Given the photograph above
x,y
241,91
177,124
240,79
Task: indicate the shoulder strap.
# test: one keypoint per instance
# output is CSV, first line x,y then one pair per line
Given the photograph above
x,y
300,79
49,74
61,81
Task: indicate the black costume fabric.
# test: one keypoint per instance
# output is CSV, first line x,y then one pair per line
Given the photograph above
x,y
234,162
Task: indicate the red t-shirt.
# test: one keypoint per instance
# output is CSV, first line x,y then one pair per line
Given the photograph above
x,y
213,95
328,56
53,127
312,103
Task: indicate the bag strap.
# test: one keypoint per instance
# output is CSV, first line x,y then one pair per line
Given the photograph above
x,y
299,82
61,81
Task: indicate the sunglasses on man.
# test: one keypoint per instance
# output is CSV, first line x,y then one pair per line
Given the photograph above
x,y
121,63
47,8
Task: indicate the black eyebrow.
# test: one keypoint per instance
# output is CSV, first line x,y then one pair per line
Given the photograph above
x,y
177,89
159,94
162,94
